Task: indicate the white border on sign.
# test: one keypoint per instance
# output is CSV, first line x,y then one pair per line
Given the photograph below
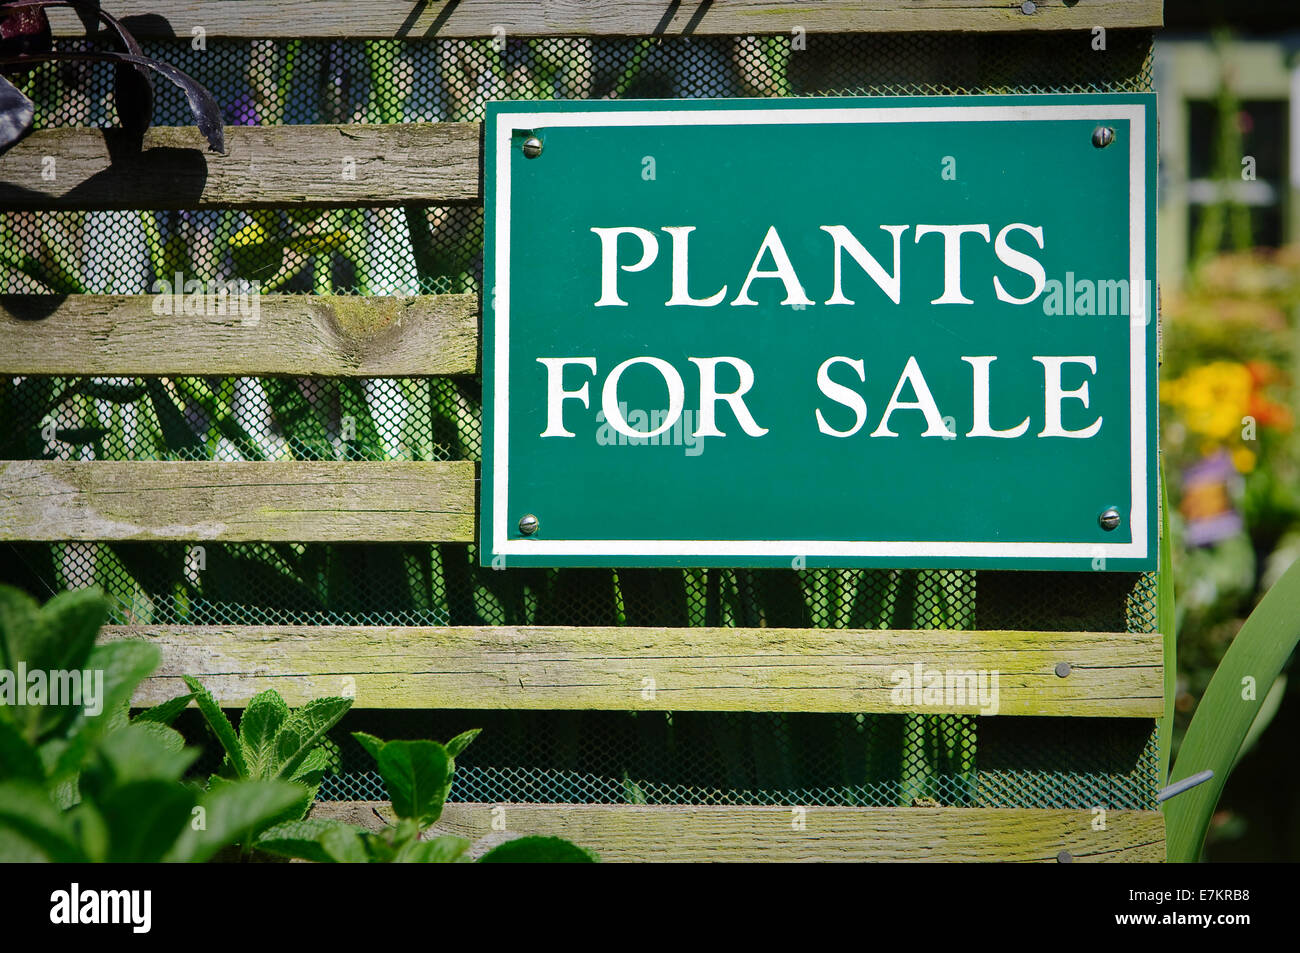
x,y
1135,114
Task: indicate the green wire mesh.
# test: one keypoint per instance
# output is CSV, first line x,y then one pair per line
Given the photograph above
x,y
582,757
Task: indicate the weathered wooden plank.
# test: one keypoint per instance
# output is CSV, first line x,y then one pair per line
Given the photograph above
x,y
370,336
663,669
289,501
407,163
638,832
480,18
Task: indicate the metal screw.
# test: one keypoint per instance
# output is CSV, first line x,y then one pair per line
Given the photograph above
x,y
532,147
1062,669
528,525
1103,136
1064,857
1109,519
1028,7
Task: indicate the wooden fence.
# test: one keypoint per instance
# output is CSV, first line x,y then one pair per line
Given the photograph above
x,y
495,667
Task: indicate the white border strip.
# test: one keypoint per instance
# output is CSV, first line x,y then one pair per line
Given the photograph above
x,y
507,122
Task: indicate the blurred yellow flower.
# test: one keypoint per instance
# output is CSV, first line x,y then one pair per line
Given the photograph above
x,y
1212,398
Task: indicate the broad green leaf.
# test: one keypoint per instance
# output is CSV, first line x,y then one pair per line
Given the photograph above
x,y
18,759
316,765
303,730
144,819
166,712
220,725
438,850
369,742
461,742
300,839
232,813
87,823
31,819
538,850
345,845
58,637
141,752
418,777
16,849
1223,717
258,726
124,665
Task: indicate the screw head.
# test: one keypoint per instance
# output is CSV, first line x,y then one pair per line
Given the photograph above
x,y
1109,519
532,147
1062,669
1103,136
529,525
1028,7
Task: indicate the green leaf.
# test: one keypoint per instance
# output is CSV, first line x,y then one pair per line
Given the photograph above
x,y
438,850
220,725
258,726
30,819
177,433
59,636
1165,616
418,777
303,730
144,819
139,752
538,850
233,812
345,844
461,742
166,712
369,742
1268,709
300,839
1223,717
18,759
124,666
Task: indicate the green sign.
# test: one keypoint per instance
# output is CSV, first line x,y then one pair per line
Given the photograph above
x,y
825,332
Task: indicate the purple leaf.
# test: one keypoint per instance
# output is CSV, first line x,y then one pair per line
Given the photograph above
x,y
16,112
207,114
24,31
132,89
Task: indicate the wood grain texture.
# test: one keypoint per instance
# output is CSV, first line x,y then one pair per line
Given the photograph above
x,y
635,832
478,18
370,336
700,669
290,501
415,163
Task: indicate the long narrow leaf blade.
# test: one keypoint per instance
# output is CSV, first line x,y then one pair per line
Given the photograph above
x,y
220,725
1227,711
